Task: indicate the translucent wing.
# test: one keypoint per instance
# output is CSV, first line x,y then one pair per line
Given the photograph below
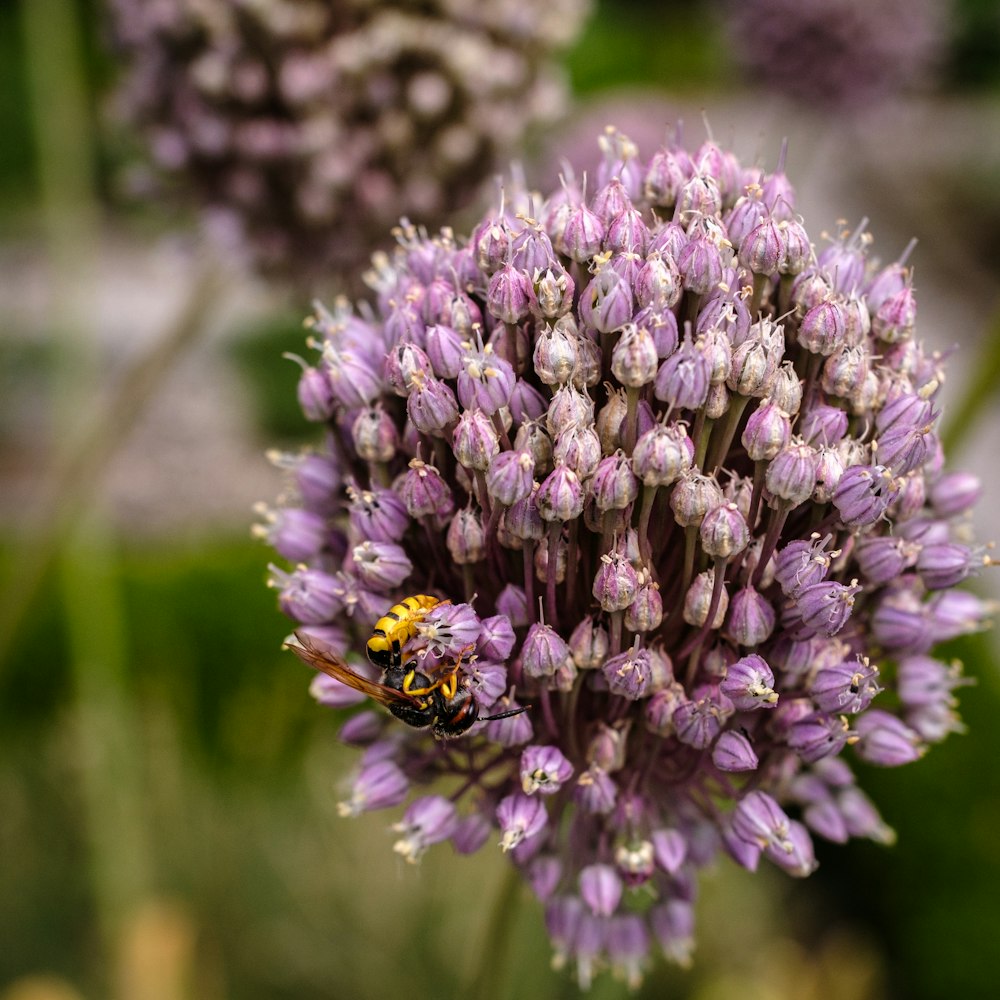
x,y
321,657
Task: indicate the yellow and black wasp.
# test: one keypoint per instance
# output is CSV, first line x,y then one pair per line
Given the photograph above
x,y
444,703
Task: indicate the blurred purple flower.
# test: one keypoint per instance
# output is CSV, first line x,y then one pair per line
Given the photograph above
x,y
307,128
838,52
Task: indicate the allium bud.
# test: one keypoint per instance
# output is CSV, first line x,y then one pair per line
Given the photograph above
x,y
665,175
583,234
524,520
886,740
798,249
431,406
955,493
846,687
589,644
629,674
560,497
698,722
466,540
734,752
556,354
601,889
606,302
662,454
822,424
768,430
863,495
645,612
613,485
693,497
578,449
294,534
615,583
748,684
475,440
426,821
425,493
763,250
521,817
309,596
699,196
315,393
544,769
684,378
634,358
786,390
610,422
825,607
802,563
724,532
658,282
791,475
845,371
381,565
751,618
823,328
698,601
509,477
544,652
509,294
569,407
378,786
487,381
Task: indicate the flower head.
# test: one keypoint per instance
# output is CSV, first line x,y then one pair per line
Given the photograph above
x,y
307,128
677,616
838,52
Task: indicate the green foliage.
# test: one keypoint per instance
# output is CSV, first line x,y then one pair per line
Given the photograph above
x,y
272,379
931,899
668,46
974,60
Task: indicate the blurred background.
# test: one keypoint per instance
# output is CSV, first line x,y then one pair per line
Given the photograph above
x,y
168,789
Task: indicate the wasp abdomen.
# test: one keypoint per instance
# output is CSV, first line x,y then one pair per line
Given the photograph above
x,y
396,627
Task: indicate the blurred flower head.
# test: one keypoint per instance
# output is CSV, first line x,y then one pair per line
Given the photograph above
x,y
838,52
307,128
675,471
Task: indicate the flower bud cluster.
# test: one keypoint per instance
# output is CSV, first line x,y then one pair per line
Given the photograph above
x,y
686,499
307,128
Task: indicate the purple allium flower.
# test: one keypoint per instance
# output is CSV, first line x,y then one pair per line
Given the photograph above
x,y
837,52
306,130
698,609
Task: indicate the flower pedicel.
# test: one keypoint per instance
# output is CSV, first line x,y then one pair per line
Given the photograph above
x,y
674,475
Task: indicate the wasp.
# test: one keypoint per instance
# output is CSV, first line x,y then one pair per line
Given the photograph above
x,y
445,704
396,627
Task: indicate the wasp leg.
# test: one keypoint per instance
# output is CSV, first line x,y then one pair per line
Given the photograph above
x,y
449,684
416,692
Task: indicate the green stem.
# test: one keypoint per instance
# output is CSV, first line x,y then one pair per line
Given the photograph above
x,y
720,445
979,392
489,980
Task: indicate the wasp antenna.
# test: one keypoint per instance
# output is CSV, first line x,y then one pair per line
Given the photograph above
x,y
506,715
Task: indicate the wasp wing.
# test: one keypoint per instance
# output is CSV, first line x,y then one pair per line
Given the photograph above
x,y
319,656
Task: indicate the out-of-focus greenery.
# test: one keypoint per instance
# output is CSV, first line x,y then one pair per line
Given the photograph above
x,y
672,46
255,888
273,385
974,58
931,900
